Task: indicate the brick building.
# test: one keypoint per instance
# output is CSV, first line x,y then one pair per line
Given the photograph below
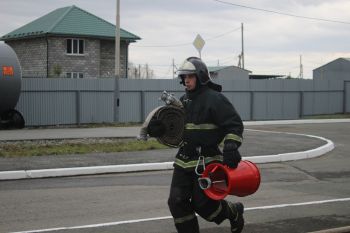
x,y
69,42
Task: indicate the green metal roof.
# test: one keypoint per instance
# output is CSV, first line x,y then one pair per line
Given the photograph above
x,y
71,21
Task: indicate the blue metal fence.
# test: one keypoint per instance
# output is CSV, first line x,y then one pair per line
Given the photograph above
x,y
77,101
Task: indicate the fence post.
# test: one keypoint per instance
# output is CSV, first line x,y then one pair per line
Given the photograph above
x,y
142,107
116,96
251,105
77,106
301,104
345,93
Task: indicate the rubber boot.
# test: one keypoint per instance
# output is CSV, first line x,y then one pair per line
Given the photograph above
x,y
235,214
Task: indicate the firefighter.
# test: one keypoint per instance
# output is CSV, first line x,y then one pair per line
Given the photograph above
x,y
209,119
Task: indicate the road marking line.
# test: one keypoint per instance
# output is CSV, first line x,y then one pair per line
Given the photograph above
x,y
169,217
298,204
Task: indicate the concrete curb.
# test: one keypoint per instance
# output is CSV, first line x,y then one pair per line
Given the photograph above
x,y
76,171
93,170
293,155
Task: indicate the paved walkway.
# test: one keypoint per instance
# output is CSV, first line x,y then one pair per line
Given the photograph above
x,y
123,132
258,146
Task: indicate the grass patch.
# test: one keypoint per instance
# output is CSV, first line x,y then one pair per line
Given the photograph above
x,y
91,125
63,147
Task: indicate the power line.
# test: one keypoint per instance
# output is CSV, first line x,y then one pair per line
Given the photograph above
x,y
223,34
167,72
158,65
282,13
224,60
227,62
163,46
186,44
231,57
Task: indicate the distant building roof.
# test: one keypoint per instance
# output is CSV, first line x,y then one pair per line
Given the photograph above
x,y
70,21
341,58
217,68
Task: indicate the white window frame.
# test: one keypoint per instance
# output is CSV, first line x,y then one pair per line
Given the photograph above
x,y
78,41
76,74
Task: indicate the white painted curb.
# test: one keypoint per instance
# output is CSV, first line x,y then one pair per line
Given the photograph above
x,y
93,170
313,153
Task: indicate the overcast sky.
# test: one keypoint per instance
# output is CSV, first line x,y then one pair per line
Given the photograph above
x,y
272,42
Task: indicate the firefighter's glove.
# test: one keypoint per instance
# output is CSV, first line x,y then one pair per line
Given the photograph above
x,y
156,128
231,154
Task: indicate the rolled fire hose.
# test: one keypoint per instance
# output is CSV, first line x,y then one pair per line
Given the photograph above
x,y
172,116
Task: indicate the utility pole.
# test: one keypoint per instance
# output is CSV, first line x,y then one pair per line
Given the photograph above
x,y
117,63
139,71
242,54
301,68
135,72
239,61
173,68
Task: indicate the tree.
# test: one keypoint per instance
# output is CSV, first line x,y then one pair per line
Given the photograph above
x,y
57,70
140,71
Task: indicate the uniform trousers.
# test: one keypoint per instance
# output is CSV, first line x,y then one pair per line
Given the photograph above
x,y
187,198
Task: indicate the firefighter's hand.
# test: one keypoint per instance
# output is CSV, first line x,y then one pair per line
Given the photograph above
x,y
156,128
231,154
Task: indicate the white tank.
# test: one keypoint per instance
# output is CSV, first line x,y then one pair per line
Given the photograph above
x,y
10,88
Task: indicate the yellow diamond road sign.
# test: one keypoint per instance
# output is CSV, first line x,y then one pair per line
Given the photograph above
x,y
198,43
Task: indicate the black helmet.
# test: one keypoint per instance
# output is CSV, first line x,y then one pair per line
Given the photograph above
x,y
194,65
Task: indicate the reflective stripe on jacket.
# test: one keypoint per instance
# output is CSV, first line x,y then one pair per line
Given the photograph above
x,y
210,119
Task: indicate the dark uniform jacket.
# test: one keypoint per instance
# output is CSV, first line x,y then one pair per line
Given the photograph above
x,y
210,119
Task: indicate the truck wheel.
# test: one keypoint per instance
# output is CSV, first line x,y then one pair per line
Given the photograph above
x,y
12,119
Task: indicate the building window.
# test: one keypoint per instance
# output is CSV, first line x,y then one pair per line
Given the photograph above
x,y
75,46
75,75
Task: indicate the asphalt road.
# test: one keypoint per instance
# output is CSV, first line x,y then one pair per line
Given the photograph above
x,y
319,186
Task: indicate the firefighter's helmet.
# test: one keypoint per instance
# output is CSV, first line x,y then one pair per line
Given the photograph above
x,y
194,65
